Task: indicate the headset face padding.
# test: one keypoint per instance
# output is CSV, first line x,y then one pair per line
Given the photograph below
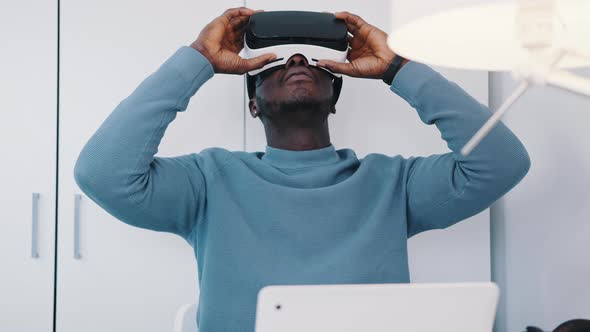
x,y
312,53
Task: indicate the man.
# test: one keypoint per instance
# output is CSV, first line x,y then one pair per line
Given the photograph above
x,y
572,325
301,212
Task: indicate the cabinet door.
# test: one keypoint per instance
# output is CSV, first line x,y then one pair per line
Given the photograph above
x,y
128,278
28,85
372,119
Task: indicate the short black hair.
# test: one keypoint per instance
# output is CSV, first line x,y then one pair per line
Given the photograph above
x,y
251,85
574,325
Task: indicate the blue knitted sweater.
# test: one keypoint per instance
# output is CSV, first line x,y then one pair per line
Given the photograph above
x,y
285,217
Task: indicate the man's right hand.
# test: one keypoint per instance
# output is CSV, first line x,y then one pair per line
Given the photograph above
x,y
222,39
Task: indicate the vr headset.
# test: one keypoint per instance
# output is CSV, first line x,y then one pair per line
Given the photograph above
x,y
315,36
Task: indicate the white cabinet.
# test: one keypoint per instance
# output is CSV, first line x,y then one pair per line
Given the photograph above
x,y
370,118
127,278
28,129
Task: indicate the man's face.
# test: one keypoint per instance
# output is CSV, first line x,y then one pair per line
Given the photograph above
x,y
295,86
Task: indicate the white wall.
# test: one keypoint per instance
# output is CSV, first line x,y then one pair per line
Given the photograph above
x,y
541,229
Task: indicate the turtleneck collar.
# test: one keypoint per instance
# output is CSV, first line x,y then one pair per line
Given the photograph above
x,y
304,158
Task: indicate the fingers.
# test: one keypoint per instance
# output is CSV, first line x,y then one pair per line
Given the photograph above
x,y
351,42
238,23
338,67
237,12
353,22
247,65
350,18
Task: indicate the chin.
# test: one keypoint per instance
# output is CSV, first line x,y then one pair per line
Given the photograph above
x,y
302,91
301,97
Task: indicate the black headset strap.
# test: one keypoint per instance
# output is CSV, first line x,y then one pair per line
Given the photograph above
x,y
337,86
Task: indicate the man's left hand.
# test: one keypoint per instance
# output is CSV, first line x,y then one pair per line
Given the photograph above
x,y
368,53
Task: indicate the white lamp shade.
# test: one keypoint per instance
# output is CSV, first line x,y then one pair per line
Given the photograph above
x,y
483,37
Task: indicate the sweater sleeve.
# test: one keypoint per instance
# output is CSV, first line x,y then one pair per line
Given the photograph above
x,y
444,189
117,168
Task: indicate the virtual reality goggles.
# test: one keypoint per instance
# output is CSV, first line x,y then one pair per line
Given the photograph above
x,y
315,36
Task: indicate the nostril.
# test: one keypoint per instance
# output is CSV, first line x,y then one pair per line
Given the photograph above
x,y
297,59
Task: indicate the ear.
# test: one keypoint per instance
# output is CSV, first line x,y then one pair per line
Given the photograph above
x,y
253,107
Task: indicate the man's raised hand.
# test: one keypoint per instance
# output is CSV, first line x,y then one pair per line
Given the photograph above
x,y
223,38
368,55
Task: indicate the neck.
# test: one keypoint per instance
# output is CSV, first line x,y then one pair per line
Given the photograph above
x,y
300,125
298,138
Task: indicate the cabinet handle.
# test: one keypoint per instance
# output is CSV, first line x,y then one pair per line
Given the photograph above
x,y
77,198
35,227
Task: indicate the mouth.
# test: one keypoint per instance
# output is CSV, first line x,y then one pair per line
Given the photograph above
x,y
298,75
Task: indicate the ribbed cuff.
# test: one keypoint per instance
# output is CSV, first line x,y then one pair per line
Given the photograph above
x,y
193,67
410,79
190,63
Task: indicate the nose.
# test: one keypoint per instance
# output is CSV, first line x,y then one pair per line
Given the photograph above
x,y
297,60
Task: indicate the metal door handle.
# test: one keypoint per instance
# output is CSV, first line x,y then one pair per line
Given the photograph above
x,y
77,198
35,227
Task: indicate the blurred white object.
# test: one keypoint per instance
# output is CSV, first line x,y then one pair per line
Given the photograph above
x,y
186,318
537,40
443,307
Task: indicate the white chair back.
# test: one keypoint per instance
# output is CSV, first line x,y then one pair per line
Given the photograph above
x,y
186,318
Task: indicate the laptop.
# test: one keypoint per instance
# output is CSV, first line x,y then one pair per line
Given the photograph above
x,y
415,307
